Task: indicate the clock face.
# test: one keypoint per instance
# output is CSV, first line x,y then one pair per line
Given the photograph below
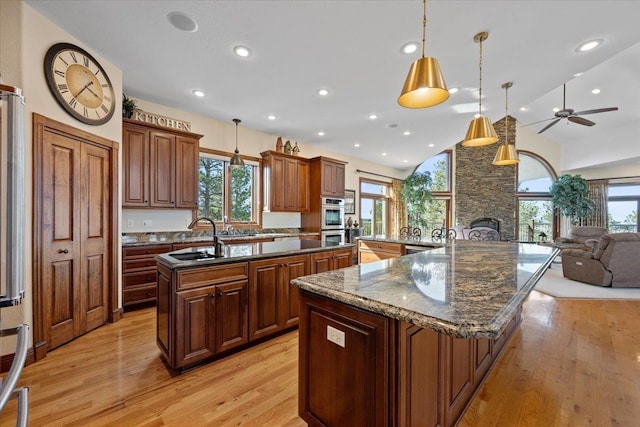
x,y
79,83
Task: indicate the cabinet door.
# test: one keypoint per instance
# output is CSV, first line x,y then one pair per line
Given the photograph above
x,y
328,178
187,175
295,267
135,167
339,181
482,359
232,315
162,175
163,313
458,376
303,186
195,320
276,189
321,262
265,298
290,185
342,259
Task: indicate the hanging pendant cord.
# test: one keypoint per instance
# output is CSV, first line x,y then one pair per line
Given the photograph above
x,y
424,24
236,136
480,90
506,114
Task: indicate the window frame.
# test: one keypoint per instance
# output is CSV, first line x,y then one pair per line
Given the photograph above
x,y
374,196
447,196
625,199
257,164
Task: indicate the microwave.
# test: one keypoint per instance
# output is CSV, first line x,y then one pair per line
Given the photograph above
x,y
332,214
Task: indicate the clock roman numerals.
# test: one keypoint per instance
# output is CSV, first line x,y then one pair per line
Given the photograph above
x,y
63,88
60,73
106,98
85,112
73,102
73,56
104,108
85,61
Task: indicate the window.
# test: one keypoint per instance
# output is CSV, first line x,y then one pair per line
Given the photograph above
x,y
623,204
228,192
438,212
374,207
536,221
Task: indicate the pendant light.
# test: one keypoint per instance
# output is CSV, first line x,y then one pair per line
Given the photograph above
x,y
236,160
507,154
481,131
424,86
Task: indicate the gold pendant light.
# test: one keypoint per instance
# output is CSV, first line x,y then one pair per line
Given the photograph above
x,y
481,131
424,86
507,153
236,160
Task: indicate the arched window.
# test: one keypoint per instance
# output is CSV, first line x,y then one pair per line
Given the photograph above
x,y
536,221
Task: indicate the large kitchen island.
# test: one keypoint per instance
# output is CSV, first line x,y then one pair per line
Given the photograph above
x,y
406,341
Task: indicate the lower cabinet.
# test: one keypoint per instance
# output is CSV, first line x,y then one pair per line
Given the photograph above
x,y
327,261
369,251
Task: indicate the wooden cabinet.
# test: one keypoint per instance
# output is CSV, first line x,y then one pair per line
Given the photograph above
x,y
286,181
327,261
273,300
139,273
160,167
458,379
331,177
369,251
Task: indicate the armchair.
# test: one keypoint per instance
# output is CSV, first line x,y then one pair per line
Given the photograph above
x,y
585,238
614,263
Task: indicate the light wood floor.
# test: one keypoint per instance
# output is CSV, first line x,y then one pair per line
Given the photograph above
x,y
571,363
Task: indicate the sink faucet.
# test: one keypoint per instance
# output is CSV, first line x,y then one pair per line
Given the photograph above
x,y
216,245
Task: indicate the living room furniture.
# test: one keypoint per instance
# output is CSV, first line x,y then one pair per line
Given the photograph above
x,y
614,263
479,229
586,237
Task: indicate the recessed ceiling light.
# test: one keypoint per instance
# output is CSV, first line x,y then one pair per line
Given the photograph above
x,y
523,108
356,145
405,161
409,47
555,110
432,145
182,22
271,117
198,93
591,44
384,154
373,116
320,133
453,90
595,91
406,133
577,74
242,51
323,92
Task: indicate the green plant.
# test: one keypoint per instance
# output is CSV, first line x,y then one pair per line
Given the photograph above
x,y
416,193
570,196
128,105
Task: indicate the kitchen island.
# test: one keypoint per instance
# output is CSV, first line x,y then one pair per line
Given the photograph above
x,y
406,341
211,304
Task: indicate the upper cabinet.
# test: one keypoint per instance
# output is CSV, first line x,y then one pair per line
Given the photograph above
x,y
330,174
160,167
286,182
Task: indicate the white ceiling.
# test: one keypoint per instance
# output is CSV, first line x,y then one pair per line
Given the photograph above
x,y
352,48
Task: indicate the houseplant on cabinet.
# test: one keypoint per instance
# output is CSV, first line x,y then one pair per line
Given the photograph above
x,y
570,196
128,106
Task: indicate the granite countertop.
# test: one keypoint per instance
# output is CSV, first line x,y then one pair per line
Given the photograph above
x,y
160,238
424,241
249,252
466,289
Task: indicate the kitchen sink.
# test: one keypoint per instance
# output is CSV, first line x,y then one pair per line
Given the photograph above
x,y
194,256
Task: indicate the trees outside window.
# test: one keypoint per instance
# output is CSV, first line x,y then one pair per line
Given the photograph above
x,y
436,212
623,204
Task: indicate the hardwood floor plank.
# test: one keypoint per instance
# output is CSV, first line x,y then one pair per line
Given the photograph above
x,y
571,363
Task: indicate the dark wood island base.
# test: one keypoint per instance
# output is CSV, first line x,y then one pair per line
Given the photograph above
x,y
358,368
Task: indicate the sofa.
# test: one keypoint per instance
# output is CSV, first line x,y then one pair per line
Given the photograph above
x,y
581,237
615,262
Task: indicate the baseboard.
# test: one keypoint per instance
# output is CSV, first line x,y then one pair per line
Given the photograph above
x,y
7,359
116,315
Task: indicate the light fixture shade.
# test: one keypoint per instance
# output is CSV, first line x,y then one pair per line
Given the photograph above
x,y
480,132
236,161
506,155
424,86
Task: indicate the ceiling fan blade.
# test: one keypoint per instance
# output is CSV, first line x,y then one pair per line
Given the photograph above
x,y
539,121
549,125
580,121
598,110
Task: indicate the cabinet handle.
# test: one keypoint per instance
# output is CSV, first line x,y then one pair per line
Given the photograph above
x,y
220,294
212,295
63,251
148,279
147,252
148,294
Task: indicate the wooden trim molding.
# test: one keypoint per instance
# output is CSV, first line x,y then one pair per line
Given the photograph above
x,y
7,359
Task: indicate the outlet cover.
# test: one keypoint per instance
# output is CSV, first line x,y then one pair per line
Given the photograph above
x,y
147,223
336,336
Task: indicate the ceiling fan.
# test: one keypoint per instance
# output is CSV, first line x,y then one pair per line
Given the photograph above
x,y
571,115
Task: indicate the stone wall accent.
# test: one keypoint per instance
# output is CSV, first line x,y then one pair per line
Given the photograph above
x,y
485,190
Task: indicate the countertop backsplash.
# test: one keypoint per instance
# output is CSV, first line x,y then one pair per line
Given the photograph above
x,y
160,237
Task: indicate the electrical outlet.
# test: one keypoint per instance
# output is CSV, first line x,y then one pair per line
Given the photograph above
x,y
336,336
147,223
130,223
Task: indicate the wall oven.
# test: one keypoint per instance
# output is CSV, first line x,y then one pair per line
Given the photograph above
x,y
332,212
332,236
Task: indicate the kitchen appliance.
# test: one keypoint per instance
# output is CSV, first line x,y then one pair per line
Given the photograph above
x,y
332,236
12,239
332,214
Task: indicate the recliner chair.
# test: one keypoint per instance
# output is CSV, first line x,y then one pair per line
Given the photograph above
x,y
581,235
615,263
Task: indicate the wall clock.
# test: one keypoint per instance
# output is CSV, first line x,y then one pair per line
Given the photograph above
x,y
79,83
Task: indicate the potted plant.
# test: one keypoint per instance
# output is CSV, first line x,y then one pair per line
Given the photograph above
x,y
570,196
128,106
416,193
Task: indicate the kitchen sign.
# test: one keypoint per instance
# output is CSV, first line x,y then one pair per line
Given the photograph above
x,y
156,119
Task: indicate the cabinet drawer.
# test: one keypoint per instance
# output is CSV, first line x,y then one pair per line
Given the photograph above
x,y
138,279
139,265
137,295
381,246
368,256
145,251
196,277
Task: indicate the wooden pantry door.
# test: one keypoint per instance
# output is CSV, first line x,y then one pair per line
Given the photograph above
x,y
73,232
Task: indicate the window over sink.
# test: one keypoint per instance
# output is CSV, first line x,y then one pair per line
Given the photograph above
x,y
228,192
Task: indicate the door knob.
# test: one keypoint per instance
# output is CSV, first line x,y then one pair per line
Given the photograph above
x,y
63,251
